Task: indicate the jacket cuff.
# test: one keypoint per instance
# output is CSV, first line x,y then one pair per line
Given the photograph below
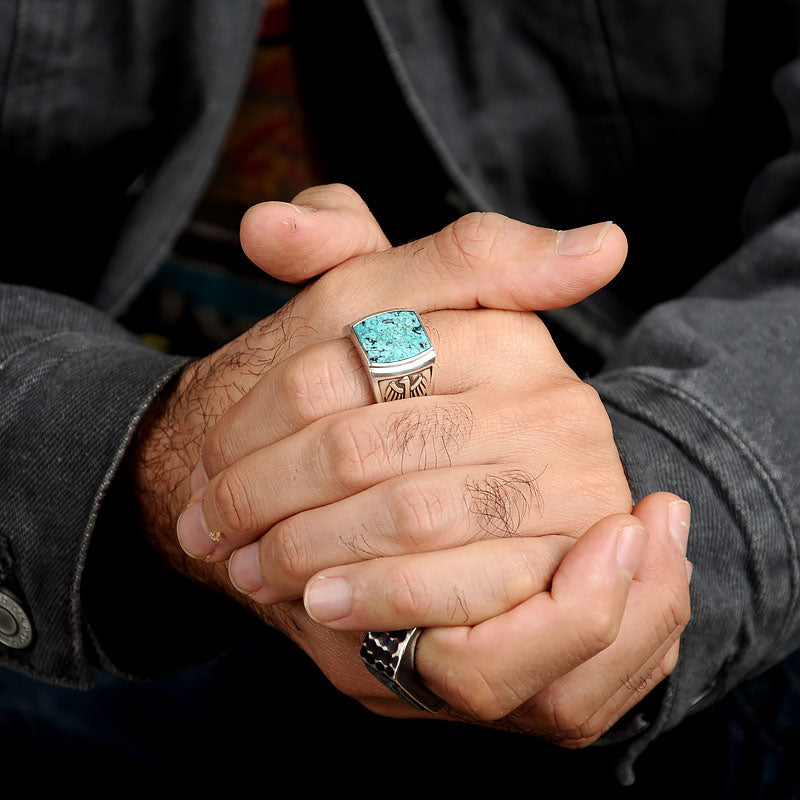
x,y
740,544
76,401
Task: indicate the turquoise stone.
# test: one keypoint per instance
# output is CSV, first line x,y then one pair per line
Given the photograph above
x,y
392,336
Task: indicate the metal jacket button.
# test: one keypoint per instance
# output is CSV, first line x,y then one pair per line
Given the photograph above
x,y
15,628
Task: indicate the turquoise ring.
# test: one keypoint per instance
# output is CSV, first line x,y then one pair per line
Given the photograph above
x,y
399,356
397,353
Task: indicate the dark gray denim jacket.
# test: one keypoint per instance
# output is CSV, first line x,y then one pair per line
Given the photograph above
x,y
661,115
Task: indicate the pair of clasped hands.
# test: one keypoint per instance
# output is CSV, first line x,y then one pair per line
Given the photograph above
x,y
494,513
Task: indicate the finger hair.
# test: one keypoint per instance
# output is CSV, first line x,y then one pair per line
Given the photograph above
x,y
435,434
501,503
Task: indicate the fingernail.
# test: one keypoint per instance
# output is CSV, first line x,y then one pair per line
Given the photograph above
x,y
689,570
631,544
193,535
328,599
198,478
680,515
244,569
582,241
304,209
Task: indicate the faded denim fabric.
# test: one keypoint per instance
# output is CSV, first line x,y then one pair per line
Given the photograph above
x,y
559,113
110,118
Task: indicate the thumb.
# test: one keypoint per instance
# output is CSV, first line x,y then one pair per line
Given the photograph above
x,y
480,260
322,227
511,265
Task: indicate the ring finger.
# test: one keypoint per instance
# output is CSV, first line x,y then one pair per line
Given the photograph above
x,y
328,378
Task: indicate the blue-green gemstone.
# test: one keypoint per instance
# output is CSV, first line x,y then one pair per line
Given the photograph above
x,y
392,336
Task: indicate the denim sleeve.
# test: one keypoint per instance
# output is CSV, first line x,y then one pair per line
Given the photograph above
x,y
703,397
73,387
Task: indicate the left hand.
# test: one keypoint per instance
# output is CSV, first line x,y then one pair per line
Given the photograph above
x,y
512,444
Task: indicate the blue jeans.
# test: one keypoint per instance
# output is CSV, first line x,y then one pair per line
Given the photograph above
x,y
263,709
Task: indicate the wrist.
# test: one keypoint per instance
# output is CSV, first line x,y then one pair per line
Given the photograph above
x,y
158,466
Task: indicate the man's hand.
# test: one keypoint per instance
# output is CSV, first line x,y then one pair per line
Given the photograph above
x,y
559,650
512,444
482,260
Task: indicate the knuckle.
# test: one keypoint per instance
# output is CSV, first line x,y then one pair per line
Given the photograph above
x,y
582,402
569,722
354,456
601,630
487,699
574,409
473,239
524,332
408,598
666,667
501,503
304,387
678,610
321,295
288,556
418,512
219,450
232,503
343,192
661,671
523,579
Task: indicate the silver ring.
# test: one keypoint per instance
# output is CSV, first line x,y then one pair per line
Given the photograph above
x,y
399,358
397,353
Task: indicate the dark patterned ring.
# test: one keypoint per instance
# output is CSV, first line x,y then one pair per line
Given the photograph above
x,y
389,656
